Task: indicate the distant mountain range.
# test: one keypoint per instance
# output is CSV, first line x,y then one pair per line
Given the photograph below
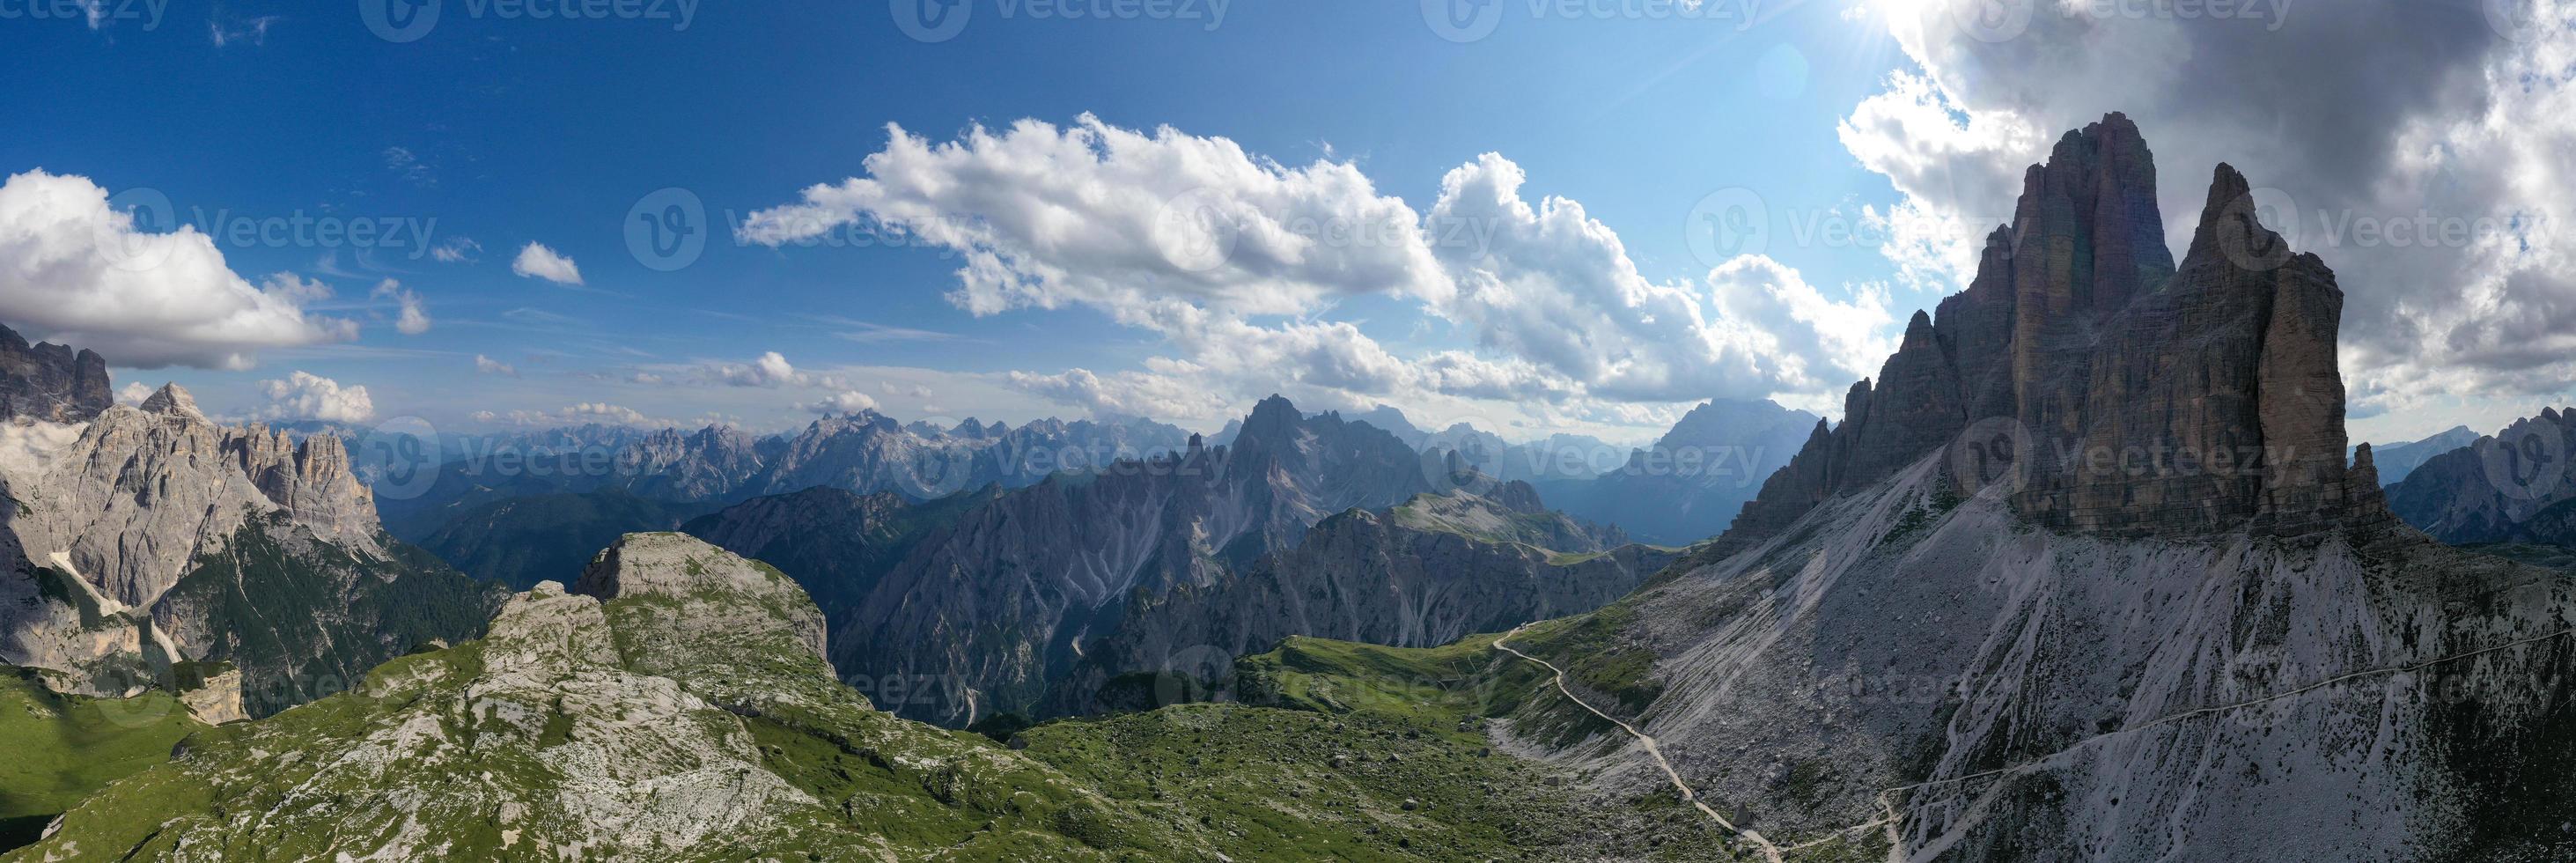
x,y
2503,488
865,452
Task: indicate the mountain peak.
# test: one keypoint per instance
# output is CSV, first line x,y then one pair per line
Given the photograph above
x,y
172,400
51,382
2065,342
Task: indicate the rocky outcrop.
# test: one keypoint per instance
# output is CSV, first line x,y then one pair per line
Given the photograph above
x,y
706,602
50,382
2098,386
215,698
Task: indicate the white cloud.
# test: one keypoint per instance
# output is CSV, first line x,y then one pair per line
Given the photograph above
x,y
407,165
306,396
252,30
1127,393
770,370
133,393
490,366
538,262
1238,261
456,250
1113,218
80,271
413,318
296,289
577,414
847,402
1556,288
2407,114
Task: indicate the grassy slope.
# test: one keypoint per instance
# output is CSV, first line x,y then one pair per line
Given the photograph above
x,y
57,749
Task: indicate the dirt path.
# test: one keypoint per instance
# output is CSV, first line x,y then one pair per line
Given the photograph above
x,y
1769,851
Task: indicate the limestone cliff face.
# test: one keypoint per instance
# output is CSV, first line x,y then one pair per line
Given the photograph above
x,y
2100,387
50,382
142,493
152,535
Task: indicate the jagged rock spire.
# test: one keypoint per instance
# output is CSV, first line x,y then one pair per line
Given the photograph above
x,y
2142,397
50,382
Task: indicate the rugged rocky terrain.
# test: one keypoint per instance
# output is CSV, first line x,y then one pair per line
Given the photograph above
x,y
151,536
677,706
1960,638
50,382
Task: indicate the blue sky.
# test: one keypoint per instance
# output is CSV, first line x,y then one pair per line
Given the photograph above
x,y
508,130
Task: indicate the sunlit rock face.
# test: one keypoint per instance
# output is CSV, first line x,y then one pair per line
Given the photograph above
x,y
2115,392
